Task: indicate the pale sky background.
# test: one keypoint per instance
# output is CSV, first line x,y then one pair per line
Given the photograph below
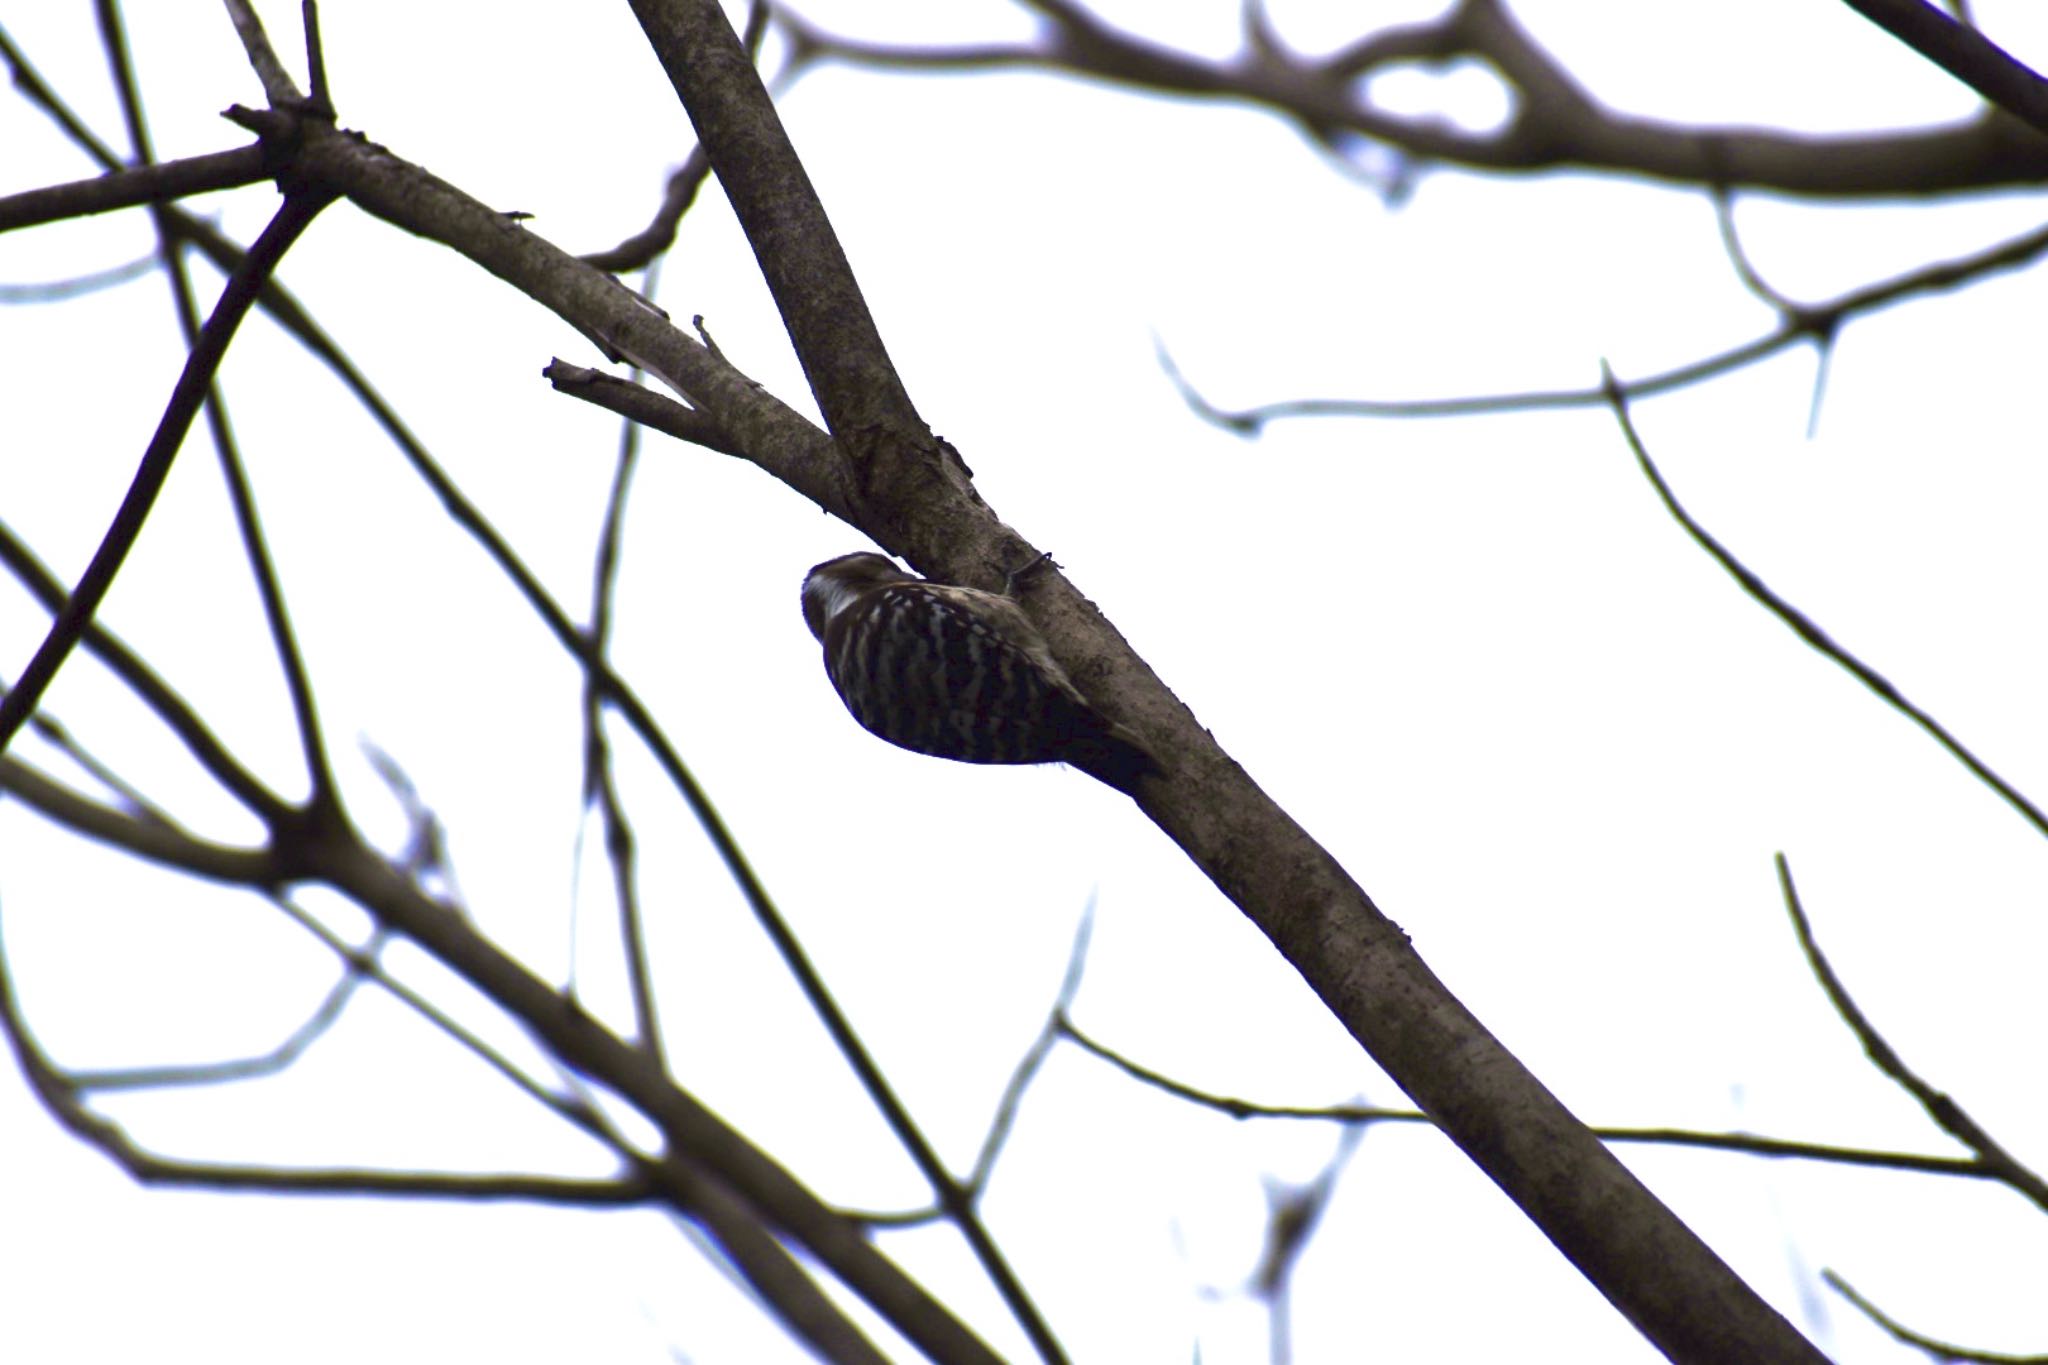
x,y
1475,658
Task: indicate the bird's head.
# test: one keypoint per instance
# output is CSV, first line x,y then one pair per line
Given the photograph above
x,y
831,587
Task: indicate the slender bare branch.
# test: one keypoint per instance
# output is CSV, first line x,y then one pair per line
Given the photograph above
x,y
1940,1350
1361,1115
320,98
1818,323
30,83
62,1093
1952,1117
148,839
599,784
317,1024
1965,53
1033,1060
60,291
136,186
646,246
171,708
278,86
1808,630
248,524
58,736
797,1301
293,217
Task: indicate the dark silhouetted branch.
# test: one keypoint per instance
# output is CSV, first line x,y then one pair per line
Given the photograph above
x,y
1939,1350
293,217
1964,53
1808,630
1941,1108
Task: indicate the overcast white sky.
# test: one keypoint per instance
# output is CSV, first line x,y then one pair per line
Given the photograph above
x,y
1475,658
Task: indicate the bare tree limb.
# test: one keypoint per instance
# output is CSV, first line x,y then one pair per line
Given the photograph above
x,y
694,1133
764,1265
709,1166
835,336
772,435
131,188
147,839
913,496
1555,123
890,477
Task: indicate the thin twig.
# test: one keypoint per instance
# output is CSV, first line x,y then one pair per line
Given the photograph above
x,y
1028,1066
1745,269
320,97
1813,322
1805,627
277,83
425,853
324,798
599,782
1795,316
1940,1107
1939,1350
317,1024
37,91
292,218
54,733
646,246
1362,1115
171,708
62,1094
1293,1213
78,286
